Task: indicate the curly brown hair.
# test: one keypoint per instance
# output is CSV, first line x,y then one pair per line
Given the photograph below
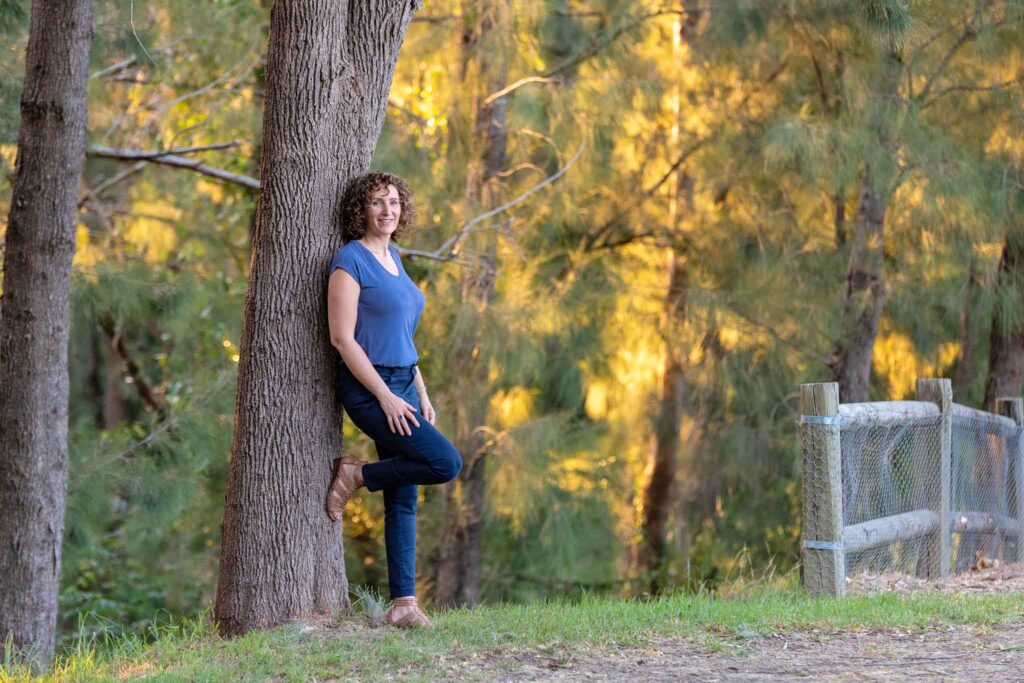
x,y
358,196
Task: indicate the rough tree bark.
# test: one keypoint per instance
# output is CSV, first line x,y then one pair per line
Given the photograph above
x,y
40,245
865,291
457,572
1006,340
329,69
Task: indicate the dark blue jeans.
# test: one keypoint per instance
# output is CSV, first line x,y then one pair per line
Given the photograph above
x,y
424,457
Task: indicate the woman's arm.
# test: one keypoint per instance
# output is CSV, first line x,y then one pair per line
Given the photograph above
x,y
426,408
342,310
421,388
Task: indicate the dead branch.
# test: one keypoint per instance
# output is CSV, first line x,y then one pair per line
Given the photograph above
x,y
167,158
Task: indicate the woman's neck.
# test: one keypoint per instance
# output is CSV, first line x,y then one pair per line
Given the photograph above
x,y
378,245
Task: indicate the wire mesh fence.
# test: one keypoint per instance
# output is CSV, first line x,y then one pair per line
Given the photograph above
x,y
984,488
925,488
888,470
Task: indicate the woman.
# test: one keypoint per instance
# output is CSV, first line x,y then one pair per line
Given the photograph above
x,y
373,309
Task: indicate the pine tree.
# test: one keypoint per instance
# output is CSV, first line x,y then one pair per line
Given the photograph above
x,y
40,244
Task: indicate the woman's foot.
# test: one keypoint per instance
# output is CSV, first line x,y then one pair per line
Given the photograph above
x,y
347,479
406,613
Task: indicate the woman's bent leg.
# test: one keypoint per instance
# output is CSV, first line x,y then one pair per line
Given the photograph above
x,y
424,457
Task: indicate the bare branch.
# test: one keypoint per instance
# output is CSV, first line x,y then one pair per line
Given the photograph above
x,y
114,68
454,242
247,61
167,159
110,182
589,240
436,18
995,87
965,37
518,84
130,61
149,155
594,47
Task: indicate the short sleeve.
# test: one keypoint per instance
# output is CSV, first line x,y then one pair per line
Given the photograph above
x,y
347,261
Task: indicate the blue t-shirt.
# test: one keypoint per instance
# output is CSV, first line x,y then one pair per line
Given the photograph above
x,y
389,305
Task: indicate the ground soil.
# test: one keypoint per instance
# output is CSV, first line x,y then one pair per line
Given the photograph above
x,y
998,579
953,653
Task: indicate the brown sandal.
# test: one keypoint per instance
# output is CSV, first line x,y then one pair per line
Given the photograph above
x,y
349,477
414,618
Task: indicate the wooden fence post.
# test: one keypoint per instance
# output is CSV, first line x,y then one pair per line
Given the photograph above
x,y
822,523
1013,408
936,546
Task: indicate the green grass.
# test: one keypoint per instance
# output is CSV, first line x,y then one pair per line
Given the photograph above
x,y
348,646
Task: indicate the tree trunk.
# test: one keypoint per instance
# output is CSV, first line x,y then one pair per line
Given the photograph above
x,y
329,69
40,245
1006,340
115,408
865,292
658,494
863,298
839,217
456,580
698,496
964,373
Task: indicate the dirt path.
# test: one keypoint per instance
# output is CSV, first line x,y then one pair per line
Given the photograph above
x,y
952,654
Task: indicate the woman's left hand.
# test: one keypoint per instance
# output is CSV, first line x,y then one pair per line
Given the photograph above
x,y
426,409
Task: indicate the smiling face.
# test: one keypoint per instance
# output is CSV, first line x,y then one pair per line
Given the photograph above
x,y
383,212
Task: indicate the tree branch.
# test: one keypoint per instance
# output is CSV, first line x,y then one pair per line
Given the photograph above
x,y
149,155
592,48
995,87
168,159
451,245
589,240
110,182
142,387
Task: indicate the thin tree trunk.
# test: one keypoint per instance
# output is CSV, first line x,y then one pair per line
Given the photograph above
x,y
658,498
964,373
699,495
1006,339
329,69
40,245
865,291
658,495
458,569
864,296
115,409
839,217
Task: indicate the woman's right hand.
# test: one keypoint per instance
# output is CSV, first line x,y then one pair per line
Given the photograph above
x,y
399,413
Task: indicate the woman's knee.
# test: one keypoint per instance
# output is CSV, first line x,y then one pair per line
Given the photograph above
x,y
449,464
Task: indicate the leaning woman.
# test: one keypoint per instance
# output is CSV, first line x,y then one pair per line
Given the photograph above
x,y
373,310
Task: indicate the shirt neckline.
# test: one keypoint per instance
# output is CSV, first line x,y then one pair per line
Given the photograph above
x,y
398,266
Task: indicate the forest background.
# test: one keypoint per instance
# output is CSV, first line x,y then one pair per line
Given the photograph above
x,y
723,199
